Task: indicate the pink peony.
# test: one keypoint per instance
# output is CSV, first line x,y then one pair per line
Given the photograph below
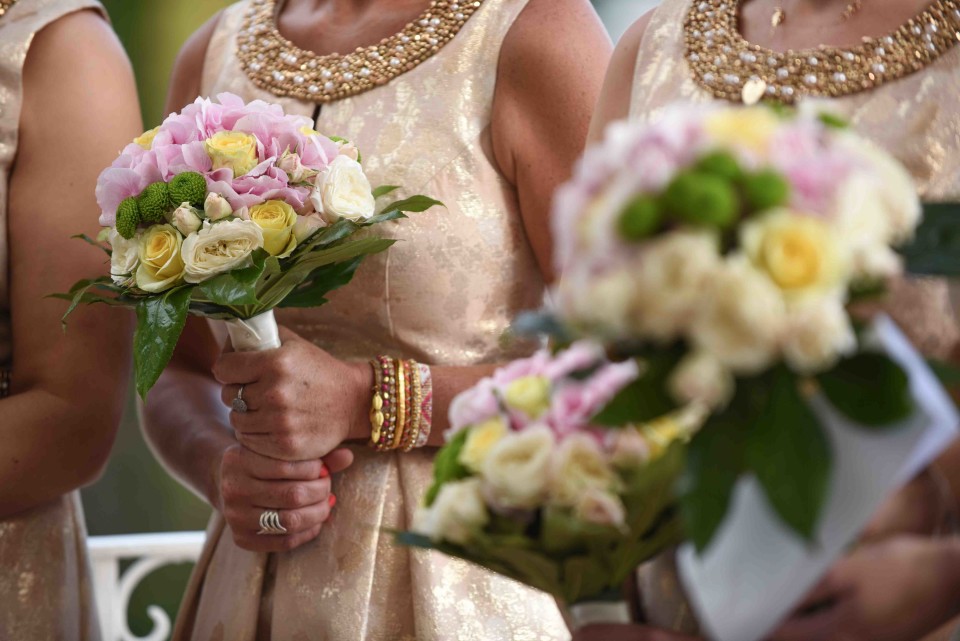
x,y
473,406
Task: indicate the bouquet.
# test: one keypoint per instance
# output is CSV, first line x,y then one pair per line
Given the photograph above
x,y
228,210
530,487
727,250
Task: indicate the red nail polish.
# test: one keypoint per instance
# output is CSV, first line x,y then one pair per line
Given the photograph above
x,y
333,500
323,472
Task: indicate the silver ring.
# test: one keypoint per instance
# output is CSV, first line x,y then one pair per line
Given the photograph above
x,y
270,523
239,405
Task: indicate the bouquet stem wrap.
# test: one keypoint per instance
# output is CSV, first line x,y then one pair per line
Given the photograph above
x,y
581,615
256,334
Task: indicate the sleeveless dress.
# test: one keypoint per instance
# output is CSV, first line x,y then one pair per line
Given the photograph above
x,y
45,586
924,106
443,295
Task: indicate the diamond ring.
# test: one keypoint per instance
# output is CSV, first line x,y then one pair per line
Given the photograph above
x,y
239,405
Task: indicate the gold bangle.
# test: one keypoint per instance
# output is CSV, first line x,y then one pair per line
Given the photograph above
x,y
415,419
376,405
401,406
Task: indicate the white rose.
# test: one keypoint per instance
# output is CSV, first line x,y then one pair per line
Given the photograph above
x,y
893,186
216,207
671,280
742,318
601,302
294,168
343,191
515,471
819,335
601,508
306,226
186,218
701,378
579,466
219,248
861,220
349,150
456,514
124,258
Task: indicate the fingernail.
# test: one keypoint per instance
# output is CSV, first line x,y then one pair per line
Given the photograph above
x,y
333,500
323,472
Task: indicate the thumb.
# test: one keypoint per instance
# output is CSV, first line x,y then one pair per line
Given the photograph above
x,y
338,460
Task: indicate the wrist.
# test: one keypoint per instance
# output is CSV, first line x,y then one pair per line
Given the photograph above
x,y
362,382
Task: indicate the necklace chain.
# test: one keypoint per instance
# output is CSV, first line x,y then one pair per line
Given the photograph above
x,y
780,15
733,69
277,65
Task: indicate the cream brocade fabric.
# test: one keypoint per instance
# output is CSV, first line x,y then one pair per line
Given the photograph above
x,y
916,118
45,588
444,295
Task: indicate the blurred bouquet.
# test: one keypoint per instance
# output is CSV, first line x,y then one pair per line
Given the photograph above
x,y
727,246
528,486
228,210
726,249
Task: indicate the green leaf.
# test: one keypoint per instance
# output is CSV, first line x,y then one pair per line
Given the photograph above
x,y
383,190
383,217
870,389
447,466
715,460
935,250
238,287
646,398
789,453
947,373
585,578
562,533
160,321
414,204
541,323
311,292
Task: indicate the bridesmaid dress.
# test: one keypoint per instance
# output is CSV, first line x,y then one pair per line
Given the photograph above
x,y
923,105
443,295
45,587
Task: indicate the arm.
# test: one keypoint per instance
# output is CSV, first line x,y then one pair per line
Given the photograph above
x,y
618,87
548,82
68,388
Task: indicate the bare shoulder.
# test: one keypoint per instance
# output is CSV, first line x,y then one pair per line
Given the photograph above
x,y
549,78
77,90
557,32
618,87
188,68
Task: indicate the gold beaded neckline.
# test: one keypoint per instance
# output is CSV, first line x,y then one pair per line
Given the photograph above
x,y
5,5
731,68
277,65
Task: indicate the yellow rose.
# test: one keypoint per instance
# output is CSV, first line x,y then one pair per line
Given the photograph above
x,y
530,395
276,218
233,150
161,266
799,253
480,440
750,128
145,139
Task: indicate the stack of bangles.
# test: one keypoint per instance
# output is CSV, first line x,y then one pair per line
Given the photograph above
x,y
401,412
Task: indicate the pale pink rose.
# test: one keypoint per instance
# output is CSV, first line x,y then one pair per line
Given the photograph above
x,y
579,356
521,368
473,406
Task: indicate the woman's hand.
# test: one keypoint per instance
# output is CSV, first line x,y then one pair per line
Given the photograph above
x,y
916,508
299,492
609,632
302,402
895,590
